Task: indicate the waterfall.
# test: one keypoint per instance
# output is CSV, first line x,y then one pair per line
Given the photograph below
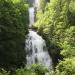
x,y
31,16
36,49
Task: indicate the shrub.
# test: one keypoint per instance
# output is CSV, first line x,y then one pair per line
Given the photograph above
x,y
13,30
34,69
66,67
3,72
40,69
23,71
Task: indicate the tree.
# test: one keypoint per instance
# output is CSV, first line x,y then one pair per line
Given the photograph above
x,y
13,30
55,25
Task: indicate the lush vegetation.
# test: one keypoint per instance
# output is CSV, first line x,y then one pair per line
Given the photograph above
x,y
55,22
66,67
57,26
13,29
34,69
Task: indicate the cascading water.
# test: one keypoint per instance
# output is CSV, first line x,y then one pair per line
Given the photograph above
x,y
36,49
31,16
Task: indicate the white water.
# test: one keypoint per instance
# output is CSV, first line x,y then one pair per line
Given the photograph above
x,y
31,16
36,49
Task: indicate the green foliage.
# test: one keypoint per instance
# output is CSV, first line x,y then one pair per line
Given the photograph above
x,y
51,25
13,30
40,69
66,67
72,6
42,4
53,21
68,43
68,52
24,72
3,72
34,69
72,12
56,25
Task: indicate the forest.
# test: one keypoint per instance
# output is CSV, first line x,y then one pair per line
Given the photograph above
x,y
54,22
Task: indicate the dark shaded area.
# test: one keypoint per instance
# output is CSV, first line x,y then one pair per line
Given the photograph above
x,y
53,49
54,52
13,29
71,17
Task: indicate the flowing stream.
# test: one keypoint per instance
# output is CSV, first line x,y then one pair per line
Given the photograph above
x,y
36,49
